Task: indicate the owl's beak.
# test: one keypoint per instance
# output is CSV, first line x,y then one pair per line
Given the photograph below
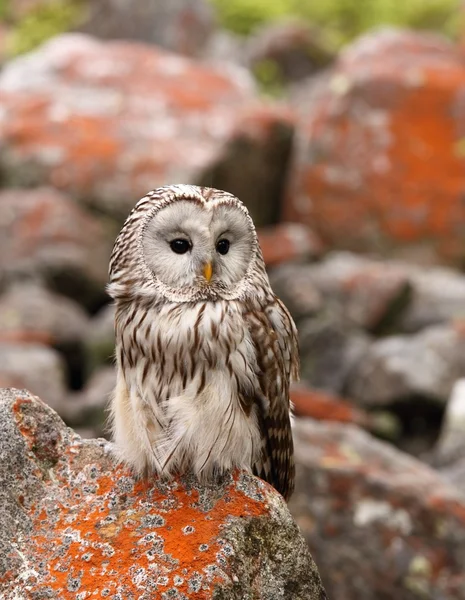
x,y
207,271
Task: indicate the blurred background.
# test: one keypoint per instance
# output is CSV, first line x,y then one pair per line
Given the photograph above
x,y
341,125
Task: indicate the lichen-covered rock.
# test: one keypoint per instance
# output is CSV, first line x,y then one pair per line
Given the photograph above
x,y
323,406
380,524
380,162
109,121
74,525
43,233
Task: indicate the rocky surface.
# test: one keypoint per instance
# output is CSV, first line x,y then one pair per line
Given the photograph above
x,y
370,168
29,312
44,234
288,242
183,26
396,368
108,121
73,524
35,367
379,523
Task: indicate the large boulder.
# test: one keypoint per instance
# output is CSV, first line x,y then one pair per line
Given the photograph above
x,y
108,121
74,524
380,154
380,524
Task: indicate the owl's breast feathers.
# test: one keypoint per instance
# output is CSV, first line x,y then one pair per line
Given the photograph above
x,y
210,380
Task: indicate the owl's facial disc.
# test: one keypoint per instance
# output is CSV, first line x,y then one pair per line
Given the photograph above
x,y
196,249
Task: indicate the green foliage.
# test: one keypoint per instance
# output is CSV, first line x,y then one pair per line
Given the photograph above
x,y
343,19
41,23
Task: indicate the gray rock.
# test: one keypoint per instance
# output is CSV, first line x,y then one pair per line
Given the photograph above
x,y
330,351
75,524
100,338
35,367
438,295
183,26
450,447
288,50
88,408
30,312
363,292
395,368
379,523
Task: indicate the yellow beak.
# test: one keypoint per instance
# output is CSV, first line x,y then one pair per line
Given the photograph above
x,y
207,271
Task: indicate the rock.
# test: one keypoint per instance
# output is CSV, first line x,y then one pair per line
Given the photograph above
x,y
100,338
35,367
379,523
88,408
74,524
297,290
363,292
44,234
109,121
31,313
397,368
437,296
287,242
291,49
329,351
372,171
450,447
183,26
323,406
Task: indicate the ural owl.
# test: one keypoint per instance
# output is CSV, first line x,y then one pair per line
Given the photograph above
x,y
205,351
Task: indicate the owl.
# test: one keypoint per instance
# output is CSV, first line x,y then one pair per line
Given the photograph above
x,y
205,351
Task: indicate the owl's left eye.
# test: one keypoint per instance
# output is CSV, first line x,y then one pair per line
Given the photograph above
x,y
222,246
180,246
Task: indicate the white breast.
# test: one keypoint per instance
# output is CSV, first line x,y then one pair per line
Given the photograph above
x,y
182,409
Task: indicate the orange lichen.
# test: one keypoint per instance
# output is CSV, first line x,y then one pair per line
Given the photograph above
x,y
382,161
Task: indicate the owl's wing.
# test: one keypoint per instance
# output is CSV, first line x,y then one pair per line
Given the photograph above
x,y
275,339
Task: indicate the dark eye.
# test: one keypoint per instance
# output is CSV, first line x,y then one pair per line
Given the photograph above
x,y
180,246
222,246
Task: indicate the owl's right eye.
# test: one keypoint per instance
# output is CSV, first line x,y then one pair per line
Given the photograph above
x,y
180,246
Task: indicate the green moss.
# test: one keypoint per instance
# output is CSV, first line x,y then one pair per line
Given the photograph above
x,y
343,19
43,22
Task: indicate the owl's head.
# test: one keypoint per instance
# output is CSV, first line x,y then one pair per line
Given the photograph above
x,y
186,243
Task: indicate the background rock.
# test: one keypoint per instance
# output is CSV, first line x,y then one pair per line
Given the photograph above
x,y
35,367
65,502
379,523
110,121
370,165
182,26
288,51
44,234
397,368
